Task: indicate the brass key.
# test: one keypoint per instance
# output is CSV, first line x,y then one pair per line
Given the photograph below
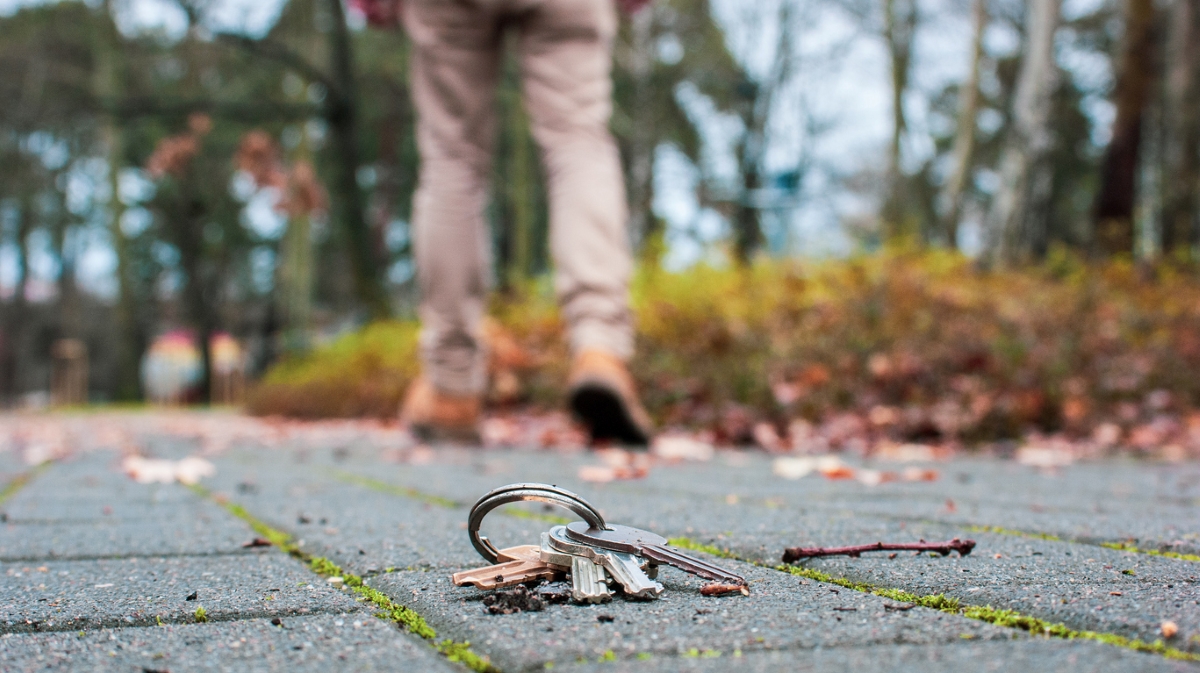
x,y
525,565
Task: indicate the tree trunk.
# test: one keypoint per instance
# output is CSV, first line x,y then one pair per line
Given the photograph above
x,y
899,26
14,324
1181,173
747,234
1135,73
130,342
1017,220
341,114
964,139
641,162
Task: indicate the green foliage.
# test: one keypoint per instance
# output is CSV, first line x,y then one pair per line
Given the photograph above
x,y
360,374
201,615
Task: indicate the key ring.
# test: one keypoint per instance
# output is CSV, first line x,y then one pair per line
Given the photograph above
x,y
520,493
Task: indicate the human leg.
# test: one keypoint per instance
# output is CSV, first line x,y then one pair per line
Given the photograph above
x,y
566,55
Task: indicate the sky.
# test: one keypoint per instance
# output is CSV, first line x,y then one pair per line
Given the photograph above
x,y
841,84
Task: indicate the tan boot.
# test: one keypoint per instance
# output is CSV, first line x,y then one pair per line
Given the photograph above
x,y
432,415
603,396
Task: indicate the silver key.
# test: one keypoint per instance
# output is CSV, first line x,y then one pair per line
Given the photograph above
x,y
625,569
589,582
648,546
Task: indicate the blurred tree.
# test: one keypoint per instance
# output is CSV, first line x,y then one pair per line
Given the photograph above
x,y
965,137
1017,221
1135,70
1181,172
666,46
900,19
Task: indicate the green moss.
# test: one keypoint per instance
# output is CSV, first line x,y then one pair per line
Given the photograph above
x,y
403,616
1016,533
392,489
200,615
1121,546
1129,571
644,656
692,545
606,657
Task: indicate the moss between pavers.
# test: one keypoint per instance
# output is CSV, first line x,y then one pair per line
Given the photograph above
x,y
406,617
1000,530
404,491
1119,546
21,481
392,489
1007,618
1123,546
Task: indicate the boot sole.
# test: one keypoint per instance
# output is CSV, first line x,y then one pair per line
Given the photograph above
x,y
606,416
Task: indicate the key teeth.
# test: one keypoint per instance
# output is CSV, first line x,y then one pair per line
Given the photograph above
x,y
589,582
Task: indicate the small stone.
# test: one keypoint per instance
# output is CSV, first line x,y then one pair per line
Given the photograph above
x,y
1169,629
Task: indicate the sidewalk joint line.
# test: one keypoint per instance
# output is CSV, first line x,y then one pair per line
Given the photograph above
x,y
402,616
951,605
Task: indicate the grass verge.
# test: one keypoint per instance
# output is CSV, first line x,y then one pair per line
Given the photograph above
x,y
1007,618
405,617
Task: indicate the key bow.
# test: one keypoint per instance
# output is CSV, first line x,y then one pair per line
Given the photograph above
x,y
546,493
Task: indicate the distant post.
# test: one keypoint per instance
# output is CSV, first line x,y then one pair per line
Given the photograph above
x,y
68,373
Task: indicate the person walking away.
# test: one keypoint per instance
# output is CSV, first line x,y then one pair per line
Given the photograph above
x,y
565,56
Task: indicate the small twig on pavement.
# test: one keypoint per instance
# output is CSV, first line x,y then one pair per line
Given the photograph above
x,y
963,547
717,589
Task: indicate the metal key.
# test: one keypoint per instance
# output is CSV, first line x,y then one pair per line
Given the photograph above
x,y
625,569
650,547
525,565
589,581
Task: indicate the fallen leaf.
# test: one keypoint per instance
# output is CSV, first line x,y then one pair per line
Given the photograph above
x,y
681,448
1045,457
256,542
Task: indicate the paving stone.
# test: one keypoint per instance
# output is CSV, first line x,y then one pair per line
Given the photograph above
x,y
1152,506
211,533
362,530
976,657
1056,581
144,591
1037,577
92,489
782,612
352,642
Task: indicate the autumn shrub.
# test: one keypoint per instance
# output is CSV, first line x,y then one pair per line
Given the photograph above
x,y
906,346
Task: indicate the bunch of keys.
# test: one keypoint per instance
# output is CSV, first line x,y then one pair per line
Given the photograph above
x,y
597,556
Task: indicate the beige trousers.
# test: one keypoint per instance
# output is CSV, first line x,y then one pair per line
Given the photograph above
x,y
565,53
